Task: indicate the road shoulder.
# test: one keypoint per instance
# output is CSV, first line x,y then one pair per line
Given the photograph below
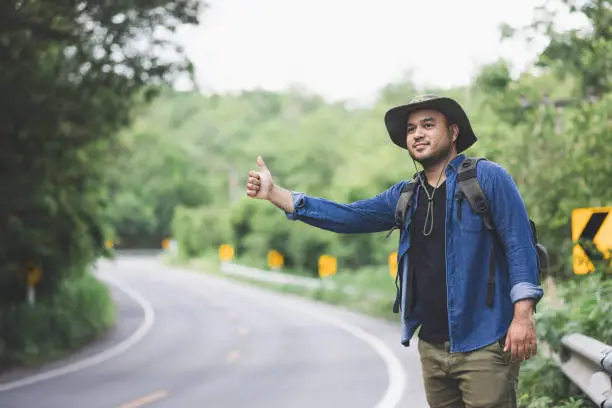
x,y
130,315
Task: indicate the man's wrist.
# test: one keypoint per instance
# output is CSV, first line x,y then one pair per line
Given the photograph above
x,y
281,198
523,309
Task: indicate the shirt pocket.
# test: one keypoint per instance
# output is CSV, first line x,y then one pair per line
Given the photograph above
x,y
467,219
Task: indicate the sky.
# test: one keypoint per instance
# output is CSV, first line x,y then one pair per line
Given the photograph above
x,y
349,49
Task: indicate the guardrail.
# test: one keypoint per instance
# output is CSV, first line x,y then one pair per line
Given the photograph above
x,y
283,278
273,276
588,364
584,361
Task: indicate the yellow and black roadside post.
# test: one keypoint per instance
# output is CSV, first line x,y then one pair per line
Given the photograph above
x,y
33,277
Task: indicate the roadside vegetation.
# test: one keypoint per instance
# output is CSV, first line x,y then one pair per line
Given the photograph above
x,y
99,152
71,79
550,127
78,313
580,305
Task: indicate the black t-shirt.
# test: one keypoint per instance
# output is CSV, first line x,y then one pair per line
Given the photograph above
x,y
427,257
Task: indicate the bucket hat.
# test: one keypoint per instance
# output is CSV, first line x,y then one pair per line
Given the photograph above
x,y
396,119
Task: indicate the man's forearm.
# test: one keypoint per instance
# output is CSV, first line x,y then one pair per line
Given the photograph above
x,y
281,198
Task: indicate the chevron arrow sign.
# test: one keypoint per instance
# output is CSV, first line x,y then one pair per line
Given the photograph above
x,y
592,237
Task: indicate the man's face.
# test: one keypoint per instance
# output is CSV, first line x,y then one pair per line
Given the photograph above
x,y
428,137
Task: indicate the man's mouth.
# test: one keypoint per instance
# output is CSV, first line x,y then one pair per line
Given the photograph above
x,y
416,146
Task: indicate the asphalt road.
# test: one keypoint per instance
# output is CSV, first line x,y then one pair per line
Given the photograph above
x,y
185,339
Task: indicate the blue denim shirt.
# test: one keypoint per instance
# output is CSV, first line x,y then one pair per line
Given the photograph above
x,y
472,323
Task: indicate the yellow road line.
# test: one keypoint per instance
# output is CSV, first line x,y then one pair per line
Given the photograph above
x,y
147,399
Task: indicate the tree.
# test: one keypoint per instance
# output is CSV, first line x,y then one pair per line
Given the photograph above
x,y
76,71
584,52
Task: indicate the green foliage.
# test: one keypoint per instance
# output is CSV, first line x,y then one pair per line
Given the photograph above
x,y
587,309
73,78
199,229
72,73
543,385
582,53
584,306
78,312
557,156
155,176
345,155
550,128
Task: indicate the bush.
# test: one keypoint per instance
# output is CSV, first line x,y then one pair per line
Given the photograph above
x,y
198,230
585,308
78,312
543,385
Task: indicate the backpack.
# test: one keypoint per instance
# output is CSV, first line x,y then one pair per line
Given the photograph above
x,y
469,188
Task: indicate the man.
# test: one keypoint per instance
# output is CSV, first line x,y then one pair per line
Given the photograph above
x,y
471,346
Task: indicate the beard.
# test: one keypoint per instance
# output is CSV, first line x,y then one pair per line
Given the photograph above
x,y
434,158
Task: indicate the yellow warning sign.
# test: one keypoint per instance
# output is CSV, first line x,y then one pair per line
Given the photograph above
x,y
109,243
275,259
34,275
226,253
393,264
165,244
328,265
592,237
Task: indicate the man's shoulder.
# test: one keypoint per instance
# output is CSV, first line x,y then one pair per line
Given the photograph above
x,y
396,189
487,165
392,194
493,175
491,170
398,186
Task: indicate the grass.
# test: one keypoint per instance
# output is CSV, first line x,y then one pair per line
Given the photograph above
x,y
541,384
52,328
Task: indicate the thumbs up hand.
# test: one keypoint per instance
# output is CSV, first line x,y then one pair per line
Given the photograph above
x,y
260,183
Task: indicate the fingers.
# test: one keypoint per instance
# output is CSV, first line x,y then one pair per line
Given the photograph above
x,y
521,350
251,190
521,342
254,181
514,350
253,184
531,348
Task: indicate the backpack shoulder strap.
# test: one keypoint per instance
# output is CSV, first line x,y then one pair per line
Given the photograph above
x,y
469,186
405,201
467,181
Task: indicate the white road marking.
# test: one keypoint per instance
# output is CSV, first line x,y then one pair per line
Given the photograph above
x,y
139,334
395,370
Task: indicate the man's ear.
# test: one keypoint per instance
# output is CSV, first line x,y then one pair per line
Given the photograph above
x,y
454,129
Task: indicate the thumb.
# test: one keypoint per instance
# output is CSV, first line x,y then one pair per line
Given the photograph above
x,y
261,163
507,345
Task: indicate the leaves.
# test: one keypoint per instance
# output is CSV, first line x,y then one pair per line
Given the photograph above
x,y
73,80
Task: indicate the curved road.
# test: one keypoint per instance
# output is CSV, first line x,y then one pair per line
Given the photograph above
x,y
186,339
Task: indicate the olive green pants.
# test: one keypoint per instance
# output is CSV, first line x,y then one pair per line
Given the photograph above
x,y
485,378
